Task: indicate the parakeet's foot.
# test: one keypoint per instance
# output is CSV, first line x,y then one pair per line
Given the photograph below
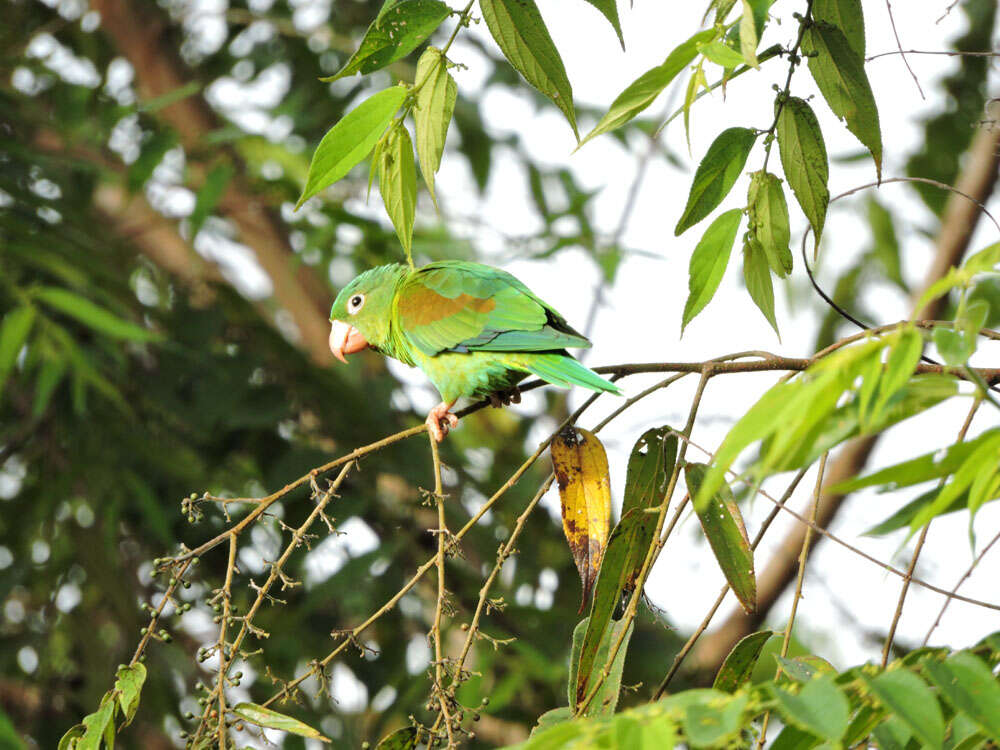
x,y
505,398
440,420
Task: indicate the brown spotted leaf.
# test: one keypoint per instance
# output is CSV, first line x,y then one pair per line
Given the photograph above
x,y
581,468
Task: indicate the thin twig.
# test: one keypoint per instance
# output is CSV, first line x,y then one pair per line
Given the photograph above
x,y
442,540
223,661
899,46
958,584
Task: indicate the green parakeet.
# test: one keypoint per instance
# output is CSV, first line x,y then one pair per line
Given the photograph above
x,y
474,330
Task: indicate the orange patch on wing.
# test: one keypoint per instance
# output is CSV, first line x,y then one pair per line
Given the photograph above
x,y
426,306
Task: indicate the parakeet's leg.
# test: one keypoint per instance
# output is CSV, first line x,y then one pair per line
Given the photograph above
x,y
440,420
505,398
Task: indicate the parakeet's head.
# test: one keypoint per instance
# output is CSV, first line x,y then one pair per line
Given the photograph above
x,y
360,314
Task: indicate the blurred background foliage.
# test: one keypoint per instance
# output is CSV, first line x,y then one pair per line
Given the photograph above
x,y
143,168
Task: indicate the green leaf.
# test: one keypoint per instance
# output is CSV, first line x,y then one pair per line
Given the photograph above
x,y
839,73
709,261
846,15
609,9
757,277
716,175
522,36
209,194
639,94
893,734
710,724
953,347
793,738
748,36
351,140
401,739
401,26
265,717
739,663
907,697
14,330
591,666
804,159
93,316
154,148
70,740
804,668
983,261
432,112
768,215
553,716
969,685
984,458
397,181
721,54
723,526
129,687
900,364
819,707
96,724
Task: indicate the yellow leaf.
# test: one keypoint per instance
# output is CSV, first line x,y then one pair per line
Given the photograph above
x,y
581,468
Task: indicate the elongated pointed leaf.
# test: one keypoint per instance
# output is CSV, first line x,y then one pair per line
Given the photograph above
x,y
723,526
804,159
839,73
639,94
432,113
757,277
709,261
581,468
401,26
748,36
401,739
209,195
351,140
716,175
266,717
819,707
768,221
848,16
740,662
397,181
14,330
609,9
92,315
129,687
906,696
650,466
969,685
721,54
519,30
593,657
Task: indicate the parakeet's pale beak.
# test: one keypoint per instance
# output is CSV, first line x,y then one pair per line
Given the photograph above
x,y
345,339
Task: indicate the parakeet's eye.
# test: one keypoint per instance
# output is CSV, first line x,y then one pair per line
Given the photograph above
x,y
355,303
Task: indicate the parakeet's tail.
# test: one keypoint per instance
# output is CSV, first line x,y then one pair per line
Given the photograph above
x,y
561,369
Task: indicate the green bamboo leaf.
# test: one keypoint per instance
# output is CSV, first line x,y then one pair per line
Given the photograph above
x,y
605,701
522,36
350,140
969,686
804,159
907,697
757,276
129,686
209,194
848,16
721,54
819,708
904,355
609,9
740,662
397,181
839,73
643,91
768,219
14,330
93,316
716,175
401,26
709,261
432,113
723,526
984,458
270,719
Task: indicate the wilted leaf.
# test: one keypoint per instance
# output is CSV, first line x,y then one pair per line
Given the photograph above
x,y
839,73
906,696
432,113
129,687
716,175
709,261
522,36
397,181
265,717
723,526
757,277
351,140
739,663
93,316
804,159
642,91
399,29
768,221
401,739
581,468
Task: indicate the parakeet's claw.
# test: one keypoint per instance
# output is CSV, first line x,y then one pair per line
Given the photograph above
x,y
440,420
495,401
505,398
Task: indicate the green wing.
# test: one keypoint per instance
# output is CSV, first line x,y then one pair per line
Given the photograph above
x,y
466,307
